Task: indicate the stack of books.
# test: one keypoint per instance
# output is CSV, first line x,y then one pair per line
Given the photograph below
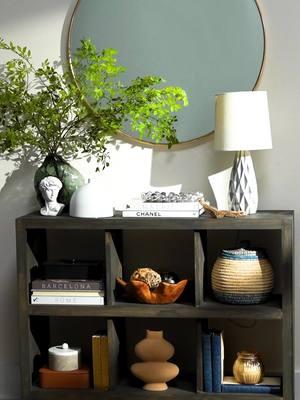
x,y
213,370
100,361
67,292
269,384
187,209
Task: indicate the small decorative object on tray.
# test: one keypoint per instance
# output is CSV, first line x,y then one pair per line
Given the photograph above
x,y
242,276
169,277
163,197
154,369
145,287
161,204
248,368
147,275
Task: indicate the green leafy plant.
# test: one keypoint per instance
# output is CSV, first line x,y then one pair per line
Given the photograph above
x,y
43,110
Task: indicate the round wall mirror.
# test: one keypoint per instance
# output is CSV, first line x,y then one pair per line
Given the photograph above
x,y
205,46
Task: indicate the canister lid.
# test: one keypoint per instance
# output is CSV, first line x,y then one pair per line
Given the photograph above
x,y
63,350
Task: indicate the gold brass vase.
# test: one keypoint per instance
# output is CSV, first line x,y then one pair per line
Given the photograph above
x,y
248,368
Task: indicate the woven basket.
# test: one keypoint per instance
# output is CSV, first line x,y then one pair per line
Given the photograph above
x,y
242,277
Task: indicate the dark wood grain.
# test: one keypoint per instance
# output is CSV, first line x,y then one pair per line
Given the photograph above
x,y
288,310
113,345
199,363
209,309
199,269
125,392
113,267
24,331
261,220
31,231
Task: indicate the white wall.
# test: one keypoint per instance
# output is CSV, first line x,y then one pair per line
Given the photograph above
x,y
42,26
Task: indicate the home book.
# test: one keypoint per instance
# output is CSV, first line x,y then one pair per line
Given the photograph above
x,y
68,300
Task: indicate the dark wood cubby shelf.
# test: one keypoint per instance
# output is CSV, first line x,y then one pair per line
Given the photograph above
x,y
271,229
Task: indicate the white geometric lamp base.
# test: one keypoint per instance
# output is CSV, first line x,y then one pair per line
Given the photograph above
x,y
242,185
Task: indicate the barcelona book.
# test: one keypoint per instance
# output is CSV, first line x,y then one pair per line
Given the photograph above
x,y
207,367
162,213
68,300
66,284
270,385
217,352
100,361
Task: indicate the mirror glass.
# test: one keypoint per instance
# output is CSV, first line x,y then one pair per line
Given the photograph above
x,y
205,46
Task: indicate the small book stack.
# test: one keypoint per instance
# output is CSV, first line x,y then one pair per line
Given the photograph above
x,y
271,385
100,361
186,209
213,370
67,292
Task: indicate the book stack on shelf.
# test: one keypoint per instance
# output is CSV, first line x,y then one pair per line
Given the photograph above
x,y
213,370
269,384
67,292
183,205
100,361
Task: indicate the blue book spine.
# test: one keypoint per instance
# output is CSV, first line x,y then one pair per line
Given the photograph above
x,y
251,389
216,362
206,356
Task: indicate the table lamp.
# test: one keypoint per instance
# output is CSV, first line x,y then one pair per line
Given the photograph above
x,y
241,124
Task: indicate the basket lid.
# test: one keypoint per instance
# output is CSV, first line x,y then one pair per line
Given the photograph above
x,y
243,254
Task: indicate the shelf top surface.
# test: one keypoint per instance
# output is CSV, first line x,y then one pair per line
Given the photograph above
x,y
210,309
260,220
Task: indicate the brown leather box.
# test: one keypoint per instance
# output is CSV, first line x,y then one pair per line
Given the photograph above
x,y
78,379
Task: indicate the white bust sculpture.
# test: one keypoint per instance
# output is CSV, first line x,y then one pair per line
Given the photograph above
x,y
50,187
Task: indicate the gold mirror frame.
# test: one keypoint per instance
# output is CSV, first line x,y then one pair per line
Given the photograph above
x,y
160,146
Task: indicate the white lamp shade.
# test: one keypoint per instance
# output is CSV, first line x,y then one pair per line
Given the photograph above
x,y
242,121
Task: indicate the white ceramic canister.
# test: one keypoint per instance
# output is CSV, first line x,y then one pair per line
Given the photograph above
x,y
91,201
64,358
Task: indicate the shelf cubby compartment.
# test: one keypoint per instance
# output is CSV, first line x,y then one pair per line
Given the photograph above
x,y
46,331
218,240
130,331
158,250
251,335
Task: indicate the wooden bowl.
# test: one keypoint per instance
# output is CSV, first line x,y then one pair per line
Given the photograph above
x,y
165,293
